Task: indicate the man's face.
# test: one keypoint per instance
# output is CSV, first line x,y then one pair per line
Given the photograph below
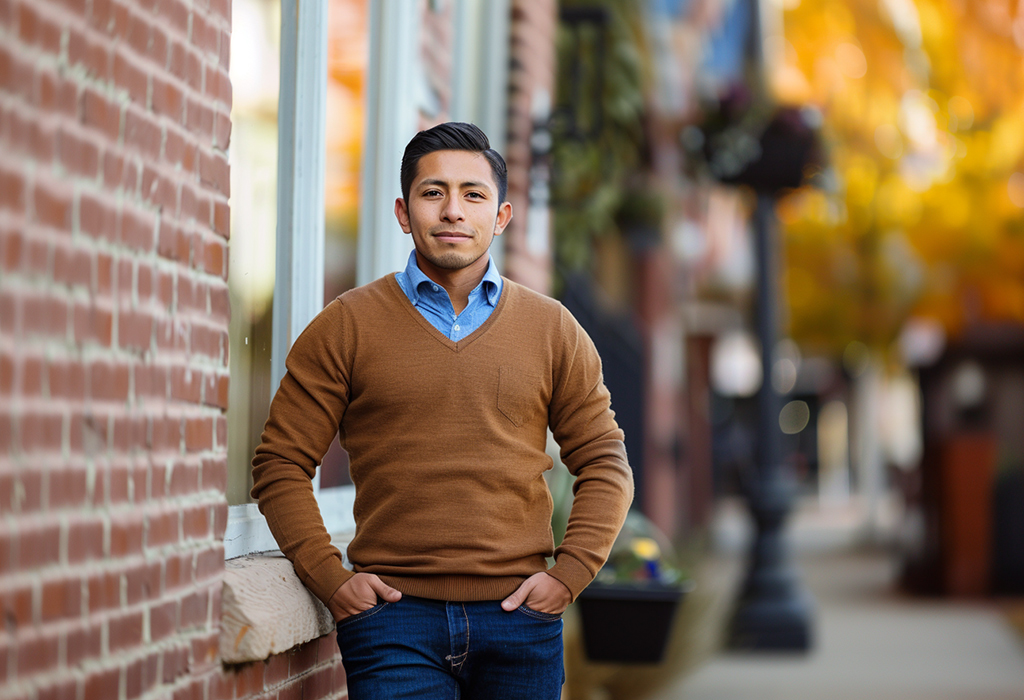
x,y
453,212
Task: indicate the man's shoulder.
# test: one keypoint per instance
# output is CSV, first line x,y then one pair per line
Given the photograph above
x,y
380,291
526,300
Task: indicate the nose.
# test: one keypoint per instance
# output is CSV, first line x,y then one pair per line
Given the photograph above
x,y
452,210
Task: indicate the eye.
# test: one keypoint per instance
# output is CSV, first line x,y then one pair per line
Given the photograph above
x,y
431,193
475,195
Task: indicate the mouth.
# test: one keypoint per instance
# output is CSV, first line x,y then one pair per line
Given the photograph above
x,y
450,236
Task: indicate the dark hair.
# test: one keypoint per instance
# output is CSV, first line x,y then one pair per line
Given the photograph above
x,y
452,136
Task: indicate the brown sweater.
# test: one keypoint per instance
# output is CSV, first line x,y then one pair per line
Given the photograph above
x,y
446,446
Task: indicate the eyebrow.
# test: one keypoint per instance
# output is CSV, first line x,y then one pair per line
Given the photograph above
x,y
467,184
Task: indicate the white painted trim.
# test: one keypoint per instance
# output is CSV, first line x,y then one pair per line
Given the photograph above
x,y
391,116
301,121
301,157
247,532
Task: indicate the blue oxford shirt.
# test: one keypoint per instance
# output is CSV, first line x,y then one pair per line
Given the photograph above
x,y
433,302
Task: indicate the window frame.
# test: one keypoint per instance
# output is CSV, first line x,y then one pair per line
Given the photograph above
x,y
394,104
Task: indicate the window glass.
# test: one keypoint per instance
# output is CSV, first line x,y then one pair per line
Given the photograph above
x,y
255,65
347,57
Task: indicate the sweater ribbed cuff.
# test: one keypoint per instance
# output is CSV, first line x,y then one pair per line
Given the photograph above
x,y
571,572
327,578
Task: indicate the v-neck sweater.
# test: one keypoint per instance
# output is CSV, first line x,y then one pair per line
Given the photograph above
x,y
446,443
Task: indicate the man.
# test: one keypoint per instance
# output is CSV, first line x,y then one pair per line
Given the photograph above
x,y
443,380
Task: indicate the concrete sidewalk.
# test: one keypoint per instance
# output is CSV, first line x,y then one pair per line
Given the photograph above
x,y
871,642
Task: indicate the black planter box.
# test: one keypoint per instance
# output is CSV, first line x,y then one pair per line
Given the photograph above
x,y
626,623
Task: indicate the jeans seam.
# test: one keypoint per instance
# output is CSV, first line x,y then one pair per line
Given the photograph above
x,y
370,612
537,615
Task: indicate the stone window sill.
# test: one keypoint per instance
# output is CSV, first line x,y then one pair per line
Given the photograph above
x,y
266,610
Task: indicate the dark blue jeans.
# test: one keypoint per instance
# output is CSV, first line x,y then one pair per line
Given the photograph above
x,y
418,648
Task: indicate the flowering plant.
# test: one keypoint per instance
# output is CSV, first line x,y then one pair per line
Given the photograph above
x,y
642,556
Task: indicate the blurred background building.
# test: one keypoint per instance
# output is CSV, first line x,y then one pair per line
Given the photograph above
x,y
185,183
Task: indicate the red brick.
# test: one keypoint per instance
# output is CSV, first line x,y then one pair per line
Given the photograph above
x,y
204,36
38,545
97,216
195,522
61,599
137,33
135,330
104,591
158,45
125,535
143,582
52,204
249,680
125,631
186,384
184,480
210,563
165,289
144,282
176,13
222,131
303,658
6,374
109,381
102,684
200,119
67,487
45,315
161,528
37,652
317,685
93,322
93,55
142,133
83,642
193,69
166,433
158,188
205,652
101,113
85,539
138,229
29,492
198,434
79,155
163,620
276,671
38,30
129,77
214,171
57,689
120,173
175,663
168,98
215,257
72,266
16,604
207,341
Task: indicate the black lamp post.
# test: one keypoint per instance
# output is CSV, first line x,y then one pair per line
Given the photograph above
x,y
773,611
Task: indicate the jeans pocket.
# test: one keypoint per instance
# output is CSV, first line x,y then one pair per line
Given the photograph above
x,y
538,615
361,615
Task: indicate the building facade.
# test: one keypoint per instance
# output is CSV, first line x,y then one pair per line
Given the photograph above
x,y
122,333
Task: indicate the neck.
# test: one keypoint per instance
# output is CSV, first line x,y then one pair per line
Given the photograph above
x,y
458,283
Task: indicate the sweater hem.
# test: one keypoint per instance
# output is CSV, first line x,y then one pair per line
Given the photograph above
x,y
455,588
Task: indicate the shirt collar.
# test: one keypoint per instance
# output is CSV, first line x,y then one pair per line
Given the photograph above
x,y
491,281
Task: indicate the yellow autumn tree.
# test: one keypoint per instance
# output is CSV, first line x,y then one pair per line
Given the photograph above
x,y
923,104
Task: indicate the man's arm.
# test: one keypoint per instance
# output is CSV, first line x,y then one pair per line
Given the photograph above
x,y
593,450
304,418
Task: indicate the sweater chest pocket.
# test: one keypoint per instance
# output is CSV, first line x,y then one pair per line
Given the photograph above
x,y
518,395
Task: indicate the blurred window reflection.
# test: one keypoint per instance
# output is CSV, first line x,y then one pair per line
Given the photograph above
x,y
255,65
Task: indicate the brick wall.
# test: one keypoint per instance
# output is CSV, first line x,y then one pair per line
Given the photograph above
x,y
114,120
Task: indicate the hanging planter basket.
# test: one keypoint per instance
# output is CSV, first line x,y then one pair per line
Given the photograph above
x,y
627,623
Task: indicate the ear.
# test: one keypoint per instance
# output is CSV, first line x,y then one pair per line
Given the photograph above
x,y
504,216
402,214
